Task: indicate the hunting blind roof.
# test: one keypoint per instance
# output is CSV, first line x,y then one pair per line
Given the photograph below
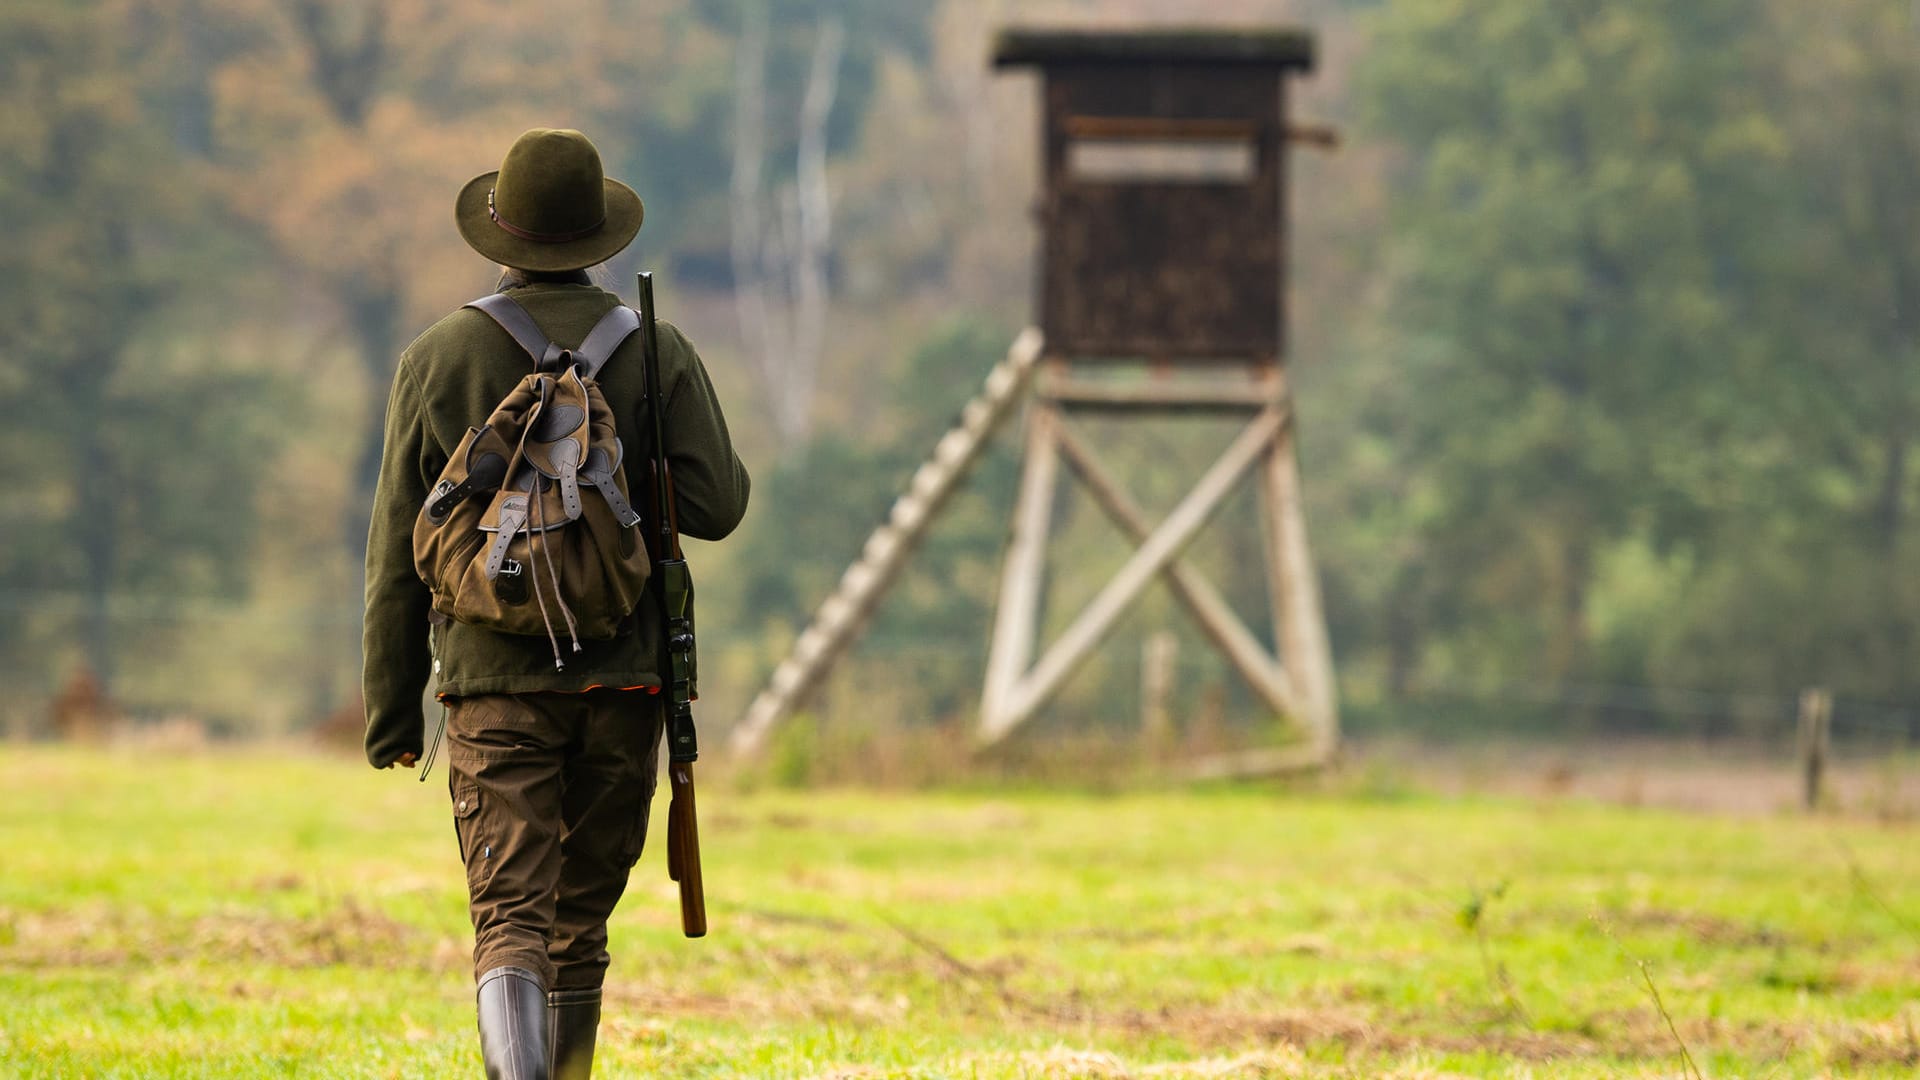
x,y
1251,47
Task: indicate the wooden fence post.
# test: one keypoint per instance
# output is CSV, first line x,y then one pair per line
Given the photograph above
x,y
1157,660
1816,737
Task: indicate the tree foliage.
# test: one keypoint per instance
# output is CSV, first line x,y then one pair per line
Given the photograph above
x,y
1616,282
133,451
1606,360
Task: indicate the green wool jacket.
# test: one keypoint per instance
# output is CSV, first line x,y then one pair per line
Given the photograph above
x,y
450,379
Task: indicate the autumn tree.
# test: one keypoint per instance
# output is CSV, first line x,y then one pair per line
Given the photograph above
x,y
338,167
791,57
133,450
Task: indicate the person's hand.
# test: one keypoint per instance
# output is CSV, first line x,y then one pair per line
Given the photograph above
x,y
405,760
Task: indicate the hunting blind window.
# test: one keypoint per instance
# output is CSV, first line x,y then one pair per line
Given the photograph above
x,y
1163,161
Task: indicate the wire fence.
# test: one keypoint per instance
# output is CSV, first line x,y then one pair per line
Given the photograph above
x,y
254,667
1631,708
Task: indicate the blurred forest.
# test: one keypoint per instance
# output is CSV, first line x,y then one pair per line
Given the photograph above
x,y
1606,342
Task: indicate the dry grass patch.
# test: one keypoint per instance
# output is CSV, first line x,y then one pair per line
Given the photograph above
x,y
104,936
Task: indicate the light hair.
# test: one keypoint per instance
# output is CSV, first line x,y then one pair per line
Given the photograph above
x,y
513,277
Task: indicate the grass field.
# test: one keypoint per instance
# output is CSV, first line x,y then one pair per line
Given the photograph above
x,y
264,914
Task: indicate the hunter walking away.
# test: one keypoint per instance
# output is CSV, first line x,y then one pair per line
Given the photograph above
x,y
1383,547
544,446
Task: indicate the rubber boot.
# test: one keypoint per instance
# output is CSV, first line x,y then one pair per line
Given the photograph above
x,y
573,1022
513,1024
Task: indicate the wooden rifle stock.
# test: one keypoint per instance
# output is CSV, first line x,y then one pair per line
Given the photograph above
x,y
683,849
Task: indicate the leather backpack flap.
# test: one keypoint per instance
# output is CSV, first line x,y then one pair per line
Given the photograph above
x,y
604,467
556,441
478,467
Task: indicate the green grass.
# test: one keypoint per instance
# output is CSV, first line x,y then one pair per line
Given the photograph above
x,y
254,914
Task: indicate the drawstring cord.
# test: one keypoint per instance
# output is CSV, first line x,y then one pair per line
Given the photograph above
x,y
533,571
559,598
433,750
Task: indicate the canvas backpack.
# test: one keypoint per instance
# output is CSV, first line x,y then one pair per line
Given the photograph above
x,y
529,529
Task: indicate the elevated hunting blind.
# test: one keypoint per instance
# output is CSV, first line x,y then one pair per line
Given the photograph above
x,y
1163,217
1162,283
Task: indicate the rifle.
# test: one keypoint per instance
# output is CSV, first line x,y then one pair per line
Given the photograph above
x,y
676,599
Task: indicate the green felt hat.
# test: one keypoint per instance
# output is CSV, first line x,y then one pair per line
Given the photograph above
x,y
549,206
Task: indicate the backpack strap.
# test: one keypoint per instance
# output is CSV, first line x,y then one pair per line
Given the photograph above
x,y
606,336
514,320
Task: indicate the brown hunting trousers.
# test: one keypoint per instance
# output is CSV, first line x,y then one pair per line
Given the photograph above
x,y
550,799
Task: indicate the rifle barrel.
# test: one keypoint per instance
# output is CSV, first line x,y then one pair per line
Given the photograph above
x,y
656,405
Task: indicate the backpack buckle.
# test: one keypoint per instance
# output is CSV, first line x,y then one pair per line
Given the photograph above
x,y
438,505
508,587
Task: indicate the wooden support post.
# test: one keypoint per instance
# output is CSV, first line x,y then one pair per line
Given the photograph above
x,y
1215,616
1816,735
1017,616
1299,623
1024,697
1157,657
844,613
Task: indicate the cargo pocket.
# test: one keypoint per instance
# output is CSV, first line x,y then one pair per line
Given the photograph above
x,y
642,811
476,850
636,839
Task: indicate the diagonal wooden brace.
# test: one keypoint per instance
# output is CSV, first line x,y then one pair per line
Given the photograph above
x,y
1299,626
1215,616
844,613
1160,548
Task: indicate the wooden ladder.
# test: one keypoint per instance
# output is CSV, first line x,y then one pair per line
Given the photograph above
x,y
844,613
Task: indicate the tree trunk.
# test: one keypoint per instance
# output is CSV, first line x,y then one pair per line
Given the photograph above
x,y
1567,645
346,60
748,235
1890,511
375,314
781,260
1403,634
97,529
97,487
815,227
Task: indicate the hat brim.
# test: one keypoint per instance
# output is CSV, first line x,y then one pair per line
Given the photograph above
x,y
477,228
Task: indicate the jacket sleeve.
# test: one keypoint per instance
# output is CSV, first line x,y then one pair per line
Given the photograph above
x,y
394,647
710,484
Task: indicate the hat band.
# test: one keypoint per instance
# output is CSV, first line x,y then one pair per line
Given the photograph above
x,y
540,237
